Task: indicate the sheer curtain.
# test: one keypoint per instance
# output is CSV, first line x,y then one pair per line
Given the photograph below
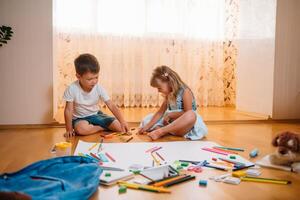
x,y
131,37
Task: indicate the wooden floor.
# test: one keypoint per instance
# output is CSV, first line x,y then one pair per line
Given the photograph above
x,y
208,114
21,147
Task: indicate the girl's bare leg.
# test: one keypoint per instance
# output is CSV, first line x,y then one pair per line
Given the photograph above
x,y
179,127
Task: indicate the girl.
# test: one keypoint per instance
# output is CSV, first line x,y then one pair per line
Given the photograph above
x,y
177,115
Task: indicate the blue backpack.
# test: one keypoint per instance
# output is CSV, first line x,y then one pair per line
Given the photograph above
x,y
70,177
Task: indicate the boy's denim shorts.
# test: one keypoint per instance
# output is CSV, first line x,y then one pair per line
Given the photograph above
x,y
99,119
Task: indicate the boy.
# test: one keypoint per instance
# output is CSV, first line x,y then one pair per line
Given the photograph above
x,y
82,97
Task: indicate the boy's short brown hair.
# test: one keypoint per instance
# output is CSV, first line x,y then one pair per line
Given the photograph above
x,y
86,63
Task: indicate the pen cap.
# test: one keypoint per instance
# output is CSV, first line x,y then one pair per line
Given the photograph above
x,y
253,153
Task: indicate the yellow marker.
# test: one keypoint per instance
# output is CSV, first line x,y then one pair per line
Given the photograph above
x,y
239,174
94,145
265,180
144,187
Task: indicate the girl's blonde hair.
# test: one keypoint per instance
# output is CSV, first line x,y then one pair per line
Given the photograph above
x,y
166,74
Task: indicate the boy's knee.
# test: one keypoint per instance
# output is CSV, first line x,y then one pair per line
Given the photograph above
x,y
116,126
81,130
119,129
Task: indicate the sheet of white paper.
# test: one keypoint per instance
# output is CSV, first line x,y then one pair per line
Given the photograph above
x,y
127,154
115,176
157,173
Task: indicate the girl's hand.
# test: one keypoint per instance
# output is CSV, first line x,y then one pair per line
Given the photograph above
x,y
124,127
142,130
69,134
167,119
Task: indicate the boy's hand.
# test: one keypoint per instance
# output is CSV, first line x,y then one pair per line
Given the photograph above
x,y
124,127
69,134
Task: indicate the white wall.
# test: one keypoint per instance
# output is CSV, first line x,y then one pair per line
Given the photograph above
x,y
255,63
26,62
286,103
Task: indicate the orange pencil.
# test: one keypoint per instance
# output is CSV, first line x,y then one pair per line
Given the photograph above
x,y
162,183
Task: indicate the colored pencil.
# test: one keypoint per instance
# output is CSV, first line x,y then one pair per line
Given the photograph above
x,y
93,146
95,156
190,161
187,178
160,156
226,164
155,160
144,187
231,148
241,168
231,161
100,145
89,156
225,151
150,149
129,139
214,151
265,180
111,168
215,167
156,149
166,181
163,179
110,157
108,136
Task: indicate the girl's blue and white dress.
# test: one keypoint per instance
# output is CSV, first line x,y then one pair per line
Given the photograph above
x,y
196,133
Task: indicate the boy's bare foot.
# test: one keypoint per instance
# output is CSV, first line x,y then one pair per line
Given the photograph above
x,y
155,134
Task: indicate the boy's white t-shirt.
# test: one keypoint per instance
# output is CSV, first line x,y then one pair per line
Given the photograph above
x,y
85,103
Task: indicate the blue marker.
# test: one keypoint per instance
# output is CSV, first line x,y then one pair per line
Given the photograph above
x,y
253,153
